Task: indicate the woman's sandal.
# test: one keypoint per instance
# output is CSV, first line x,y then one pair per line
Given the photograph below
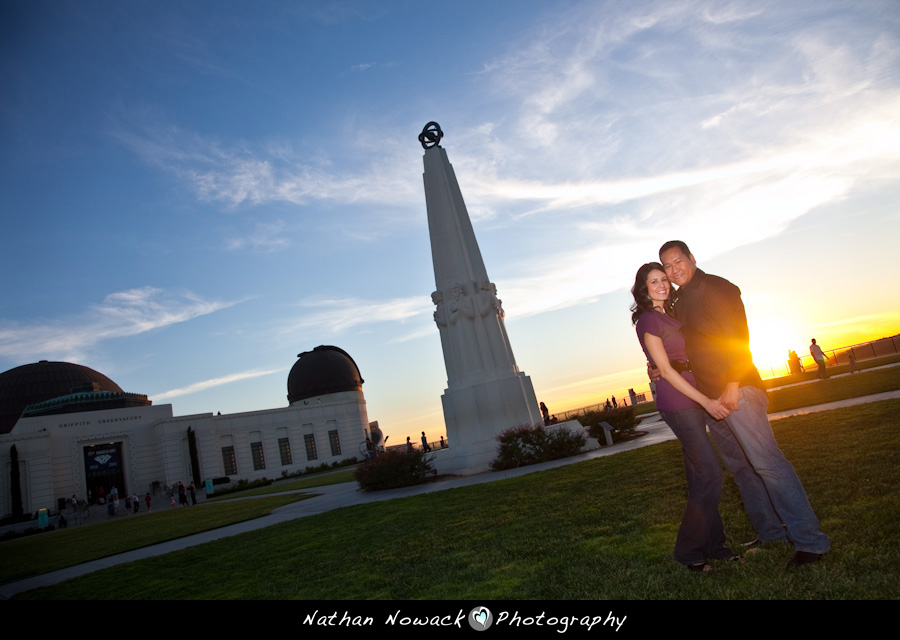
x,y
736,558
699,568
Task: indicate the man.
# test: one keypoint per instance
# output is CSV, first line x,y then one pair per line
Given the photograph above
x,y
816,352
717,339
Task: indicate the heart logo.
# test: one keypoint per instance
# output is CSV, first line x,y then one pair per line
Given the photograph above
x,y
481,617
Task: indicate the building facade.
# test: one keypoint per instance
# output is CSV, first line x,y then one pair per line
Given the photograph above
x,y
136,447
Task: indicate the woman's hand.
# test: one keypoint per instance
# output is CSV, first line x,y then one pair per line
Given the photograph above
x,y
716,409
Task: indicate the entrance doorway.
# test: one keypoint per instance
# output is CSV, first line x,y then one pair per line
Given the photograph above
x,y
104,469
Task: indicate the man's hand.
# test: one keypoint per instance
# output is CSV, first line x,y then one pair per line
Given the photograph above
x,y
730,396
717,410
653,373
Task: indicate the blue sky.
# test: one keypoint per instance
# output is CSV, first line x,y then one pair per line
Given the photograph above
x,y
194,193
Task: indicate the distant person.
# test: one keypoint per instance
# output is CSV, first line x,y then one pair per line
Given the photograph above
x,y
409,445
136,502
425,446
853,367
554,420
193,490
717,338
615,404
545,412
607,406
794,362
149,500
443,443
63,523
74,502
816,352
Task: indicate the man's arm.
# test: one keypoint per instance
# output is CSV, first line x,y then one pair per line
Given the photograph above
x,y
735,336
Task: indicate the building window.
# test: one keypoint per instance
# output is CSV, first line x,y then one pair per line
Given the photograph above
x,y
284,447
259,460
310,441
229,461
335,443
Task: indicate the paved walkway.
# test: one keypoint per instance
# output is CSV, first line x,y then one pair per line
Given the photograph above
x,y
347,494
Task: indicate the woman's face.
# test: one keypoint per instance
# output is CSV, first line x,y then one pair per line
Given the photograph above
x,y
657,287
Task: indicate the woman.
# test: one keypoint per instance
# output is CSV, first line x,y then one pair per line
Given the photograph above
x,y
684,409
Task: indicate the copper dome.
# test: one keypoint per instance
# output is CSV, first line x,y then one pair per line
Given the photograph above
x,y
32,383
322,371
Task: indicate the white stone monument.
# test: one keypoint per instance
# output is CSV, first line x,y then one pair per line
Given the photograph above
x,y
486,393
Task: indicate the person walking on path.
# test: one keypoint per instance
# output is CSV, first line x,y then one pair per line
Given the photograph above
x,y
816,352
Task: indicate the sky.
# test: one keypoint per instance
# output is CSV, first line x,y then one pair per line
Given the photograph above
x,y
193,193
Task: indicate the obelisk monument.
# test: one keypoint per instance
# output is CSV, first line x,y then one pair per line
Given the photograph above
x,y
486,393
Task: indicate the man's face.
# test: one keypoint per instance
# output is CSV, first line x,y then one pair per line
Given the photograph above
x,y
679,267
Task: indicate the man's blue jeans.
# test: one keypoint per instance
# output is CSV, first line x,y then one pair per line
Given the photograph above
x,y
775,495
701,534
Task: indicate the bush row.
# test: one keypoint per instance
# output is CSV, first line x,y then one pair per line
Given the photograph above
x,y
529,444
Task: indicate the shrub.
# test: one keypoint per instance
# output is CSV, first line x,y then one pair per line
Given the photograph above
x,y
525,444
392,469
621,419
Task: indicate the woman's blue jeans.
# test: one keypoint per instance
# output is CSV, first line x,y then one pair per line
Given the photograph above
x,y
701,534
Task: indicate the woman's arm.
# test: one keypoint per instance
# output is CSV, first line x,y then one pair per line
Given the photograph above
x,y
657,352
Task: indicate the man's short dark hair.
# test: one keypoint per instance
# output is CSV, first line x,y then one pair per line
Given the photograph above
x,y
674,244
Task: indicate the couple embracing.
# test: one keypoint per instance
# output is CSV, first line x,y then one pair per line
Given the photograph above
x,y
699,341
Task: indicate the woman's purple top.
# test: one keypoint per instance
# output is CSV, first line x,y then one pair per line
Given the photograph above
x,y
668,329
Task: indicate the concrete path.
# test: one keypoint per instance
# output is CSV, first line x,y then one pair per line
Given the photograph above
x,y
346,494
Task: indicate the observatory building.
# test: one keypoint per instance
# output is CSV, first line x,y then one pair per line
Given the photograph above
x,y
75,430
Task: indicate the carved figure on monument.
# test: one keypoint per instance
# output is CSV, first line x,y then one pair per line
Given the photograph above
x,y
451,350
462,319
491,310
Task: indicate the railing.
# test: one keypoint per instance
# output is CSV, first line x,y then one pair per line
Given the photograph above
x,y
841,355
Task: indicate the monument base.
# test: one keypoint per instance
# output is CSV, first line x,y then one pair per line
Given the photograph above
x,y
475,414
474,458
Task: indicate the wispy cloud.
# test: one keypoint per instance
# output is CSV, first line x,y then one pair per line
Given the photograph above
x,y
255,174
121,314
267,238
339,315
719,125
215,382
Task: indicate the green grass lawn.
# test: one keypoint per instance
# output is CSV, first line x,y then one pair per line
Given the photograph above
x,y
602,529
832,389
54,550
318,480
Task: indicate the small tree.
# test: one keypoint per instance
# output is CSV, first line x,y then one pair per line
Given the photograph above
x,y
195,458
15,482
